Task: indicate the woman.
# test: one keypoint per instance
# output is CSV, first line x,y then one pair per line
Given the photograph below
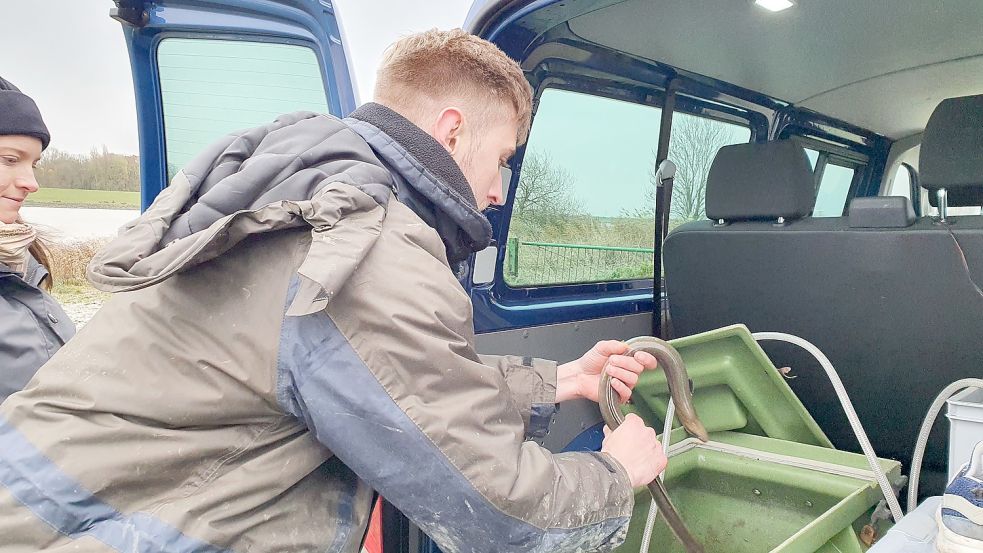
x,y
32,324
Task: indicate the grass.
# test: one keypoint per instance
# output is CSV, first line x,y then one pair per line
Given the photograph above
x,y
75,294
72,197
68,262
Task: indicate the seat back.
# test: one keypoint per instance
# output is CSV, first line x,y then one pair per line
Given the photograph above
x,y
891,300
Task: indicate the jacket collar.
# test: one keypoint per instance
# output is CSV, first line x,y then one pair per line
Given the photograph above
x,y
426,167
34,274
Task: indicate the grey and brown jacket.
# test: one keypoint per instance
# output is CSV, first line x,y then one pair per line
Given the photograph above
x,y
32,326
285,340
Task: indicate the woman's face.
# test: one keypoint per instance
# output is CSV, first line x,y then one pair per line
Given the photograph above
x,y
18,157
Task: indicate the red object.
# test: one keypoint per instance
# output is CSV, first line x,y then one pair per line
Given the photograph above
x,y
373,538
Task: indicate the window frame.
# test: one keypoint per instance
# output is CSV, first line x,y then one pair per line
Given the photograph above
x,y
851,146
647,96
914,188
832,154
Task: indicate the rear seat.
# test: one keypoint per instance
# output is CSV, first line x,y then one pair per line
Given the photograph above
x,y
889,298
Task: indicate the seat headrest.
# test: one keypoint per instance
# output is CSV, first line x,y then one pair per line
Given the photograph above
x,y
881,212
760,181
951,155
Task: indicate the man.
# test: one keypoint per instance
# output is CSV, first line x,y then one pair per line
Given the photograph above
x,y
288,337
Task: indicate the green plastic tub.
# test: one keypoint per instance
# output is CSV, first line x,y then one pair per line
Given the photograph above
x,y
769,479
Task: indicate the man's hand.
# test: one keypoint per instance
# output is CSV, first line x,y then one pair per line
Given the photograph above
x,y
635,446
581,378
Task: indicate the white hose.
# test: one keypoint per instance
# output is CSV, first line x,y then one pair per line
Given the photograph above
x,y
653,508
851,413
927,423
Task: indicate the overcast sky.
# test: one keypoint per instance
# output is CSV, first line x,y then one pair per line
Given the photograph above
x,y
70,57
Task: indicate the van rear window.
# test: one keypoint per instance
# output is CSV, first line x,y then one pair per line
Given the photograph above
x,y
212,87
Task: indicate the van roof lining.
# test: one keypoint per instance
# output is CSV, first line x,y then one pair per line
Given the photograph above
x,y
886,67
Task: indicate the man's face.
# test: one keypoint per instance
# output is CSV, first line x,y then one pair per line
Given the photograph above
x,y
18,156
482,154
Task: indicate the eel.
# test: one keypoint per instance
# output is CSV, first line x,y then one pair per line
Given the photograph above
x,y
672,364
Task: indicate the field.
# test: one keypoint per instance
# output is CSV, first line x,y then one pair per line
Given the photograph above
x,y
92,199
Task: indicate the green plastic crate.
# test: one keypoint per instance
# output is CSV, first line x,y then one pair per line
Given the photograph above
x,y
769,479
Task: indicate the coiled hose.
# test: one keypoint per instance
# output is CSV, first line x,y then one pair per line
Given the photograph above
x,y
851,413
927,423
676,376
653,507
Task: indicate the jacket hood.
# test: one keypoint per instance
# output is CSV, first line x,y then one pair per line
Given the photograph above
x,y
431,172
302,169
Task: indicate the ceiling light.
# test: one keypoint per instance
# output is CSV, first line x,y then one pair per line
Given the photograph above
x,y
774,5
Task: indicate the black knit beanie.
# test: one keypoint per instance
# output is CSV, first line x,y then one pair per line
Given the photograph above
x,y
20,115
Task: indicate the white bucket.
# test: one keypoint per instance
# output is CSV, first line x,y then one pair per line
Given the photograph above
x,y
965,414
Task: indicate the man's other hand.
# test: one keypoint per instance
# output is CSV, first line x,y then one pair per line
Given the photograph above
x,y
635,446
581,378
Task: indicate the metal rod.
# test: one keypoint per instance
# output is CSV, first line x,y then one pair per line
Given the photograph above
x,y
943,201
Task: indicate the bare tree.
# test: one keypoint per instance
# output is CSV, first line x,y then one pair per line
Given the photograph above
x,y
544,189
694,143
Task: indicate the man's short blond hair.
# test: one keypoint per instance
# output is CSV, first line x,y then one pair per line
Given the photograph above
x,y
427,70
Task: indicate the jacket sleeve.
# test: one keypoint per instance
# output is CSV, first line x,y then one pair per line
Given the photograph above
x,y
387,378
532,384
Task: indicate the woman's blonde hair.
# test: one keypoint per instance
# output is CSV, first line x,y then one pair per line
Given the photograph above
x,y
40,251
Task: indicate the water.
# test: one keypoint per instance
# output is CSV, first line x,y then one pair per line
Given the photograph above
x,y
69,223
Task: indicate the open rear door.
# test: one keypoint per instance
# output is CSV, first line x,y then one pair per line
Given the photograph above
x,y
204,68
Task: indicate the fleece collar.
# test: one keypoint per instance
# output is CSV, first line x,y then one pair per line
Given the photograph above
x,y
430,170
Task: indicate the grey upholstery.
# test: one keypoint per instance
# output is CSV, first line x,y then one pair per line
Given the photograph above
x,y
881,212
895,310
893,303
775,181
951,155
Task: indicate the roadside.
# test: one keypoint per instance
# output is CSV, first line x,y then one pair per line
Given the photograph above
x,y
73,236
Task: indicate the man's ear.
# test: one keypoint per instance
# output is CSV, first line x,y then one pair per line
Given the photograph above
x,y
447,128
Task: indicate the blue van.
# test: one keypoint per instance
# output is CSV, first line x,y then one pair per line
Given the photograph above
x,y
878,265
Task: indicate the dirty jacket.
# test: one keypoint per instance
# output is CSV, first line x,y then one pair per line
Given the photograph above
x,y
285,339
32,326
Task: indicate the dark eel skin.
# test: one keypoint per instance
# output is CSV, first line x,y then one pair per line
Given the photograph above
x,y
672,364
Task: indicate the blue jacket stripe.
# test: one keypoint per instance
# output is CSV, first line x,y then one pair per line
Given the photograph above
x,y
64,504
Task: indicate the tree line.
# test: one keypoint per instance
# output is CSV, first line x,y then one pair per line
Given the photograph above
x,y
97,170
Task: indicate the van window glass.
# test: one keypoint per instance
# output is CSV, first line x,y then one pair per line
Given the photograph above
x,y
584,208
813,157
212,87
901,185
833,190
833,176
